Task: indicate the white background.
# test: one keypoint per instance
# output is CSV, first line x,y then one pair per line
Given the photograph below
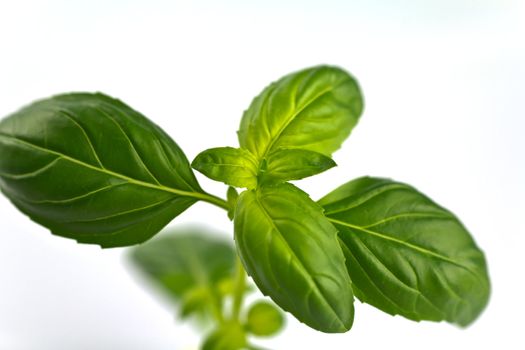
x,y
444,83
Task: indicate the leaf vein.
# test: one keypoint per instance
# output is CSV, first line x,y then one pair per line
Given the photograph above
x,y
418,293
114,233
408,215
69,200
308,276
69,116
32,173
296,114
108,172
411,246
102,218
399,241
370,195
132,146
372,281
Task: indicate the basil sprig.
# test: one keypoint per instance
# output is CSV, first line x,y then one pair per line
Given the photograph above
x,y
91,168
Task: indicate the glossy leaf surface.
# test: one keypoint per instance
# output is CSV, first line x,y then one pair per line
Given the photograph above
x,y
405,254
295,164
190,265
314,109
291,251
233,166
89,167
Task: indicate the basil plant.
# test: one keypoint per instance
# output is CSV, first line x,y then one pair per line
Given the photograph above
x,y
89,167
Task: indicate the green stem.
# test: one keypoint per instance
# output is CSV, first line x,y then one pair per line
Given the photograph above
x,y
210,198
221,203
216,310
239,289
254,347
216,307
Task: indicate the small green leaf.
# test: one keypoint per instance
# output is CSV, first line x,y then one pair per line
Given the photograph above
x,y
190,265
231,196
314,109
405,254
233,166
295,164
291,251
264,319
88,167
229,336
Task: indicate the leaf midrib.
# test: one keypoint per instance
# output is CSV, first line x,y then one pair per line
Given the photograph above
x,y
267,215
403,243
295,114
108,172
367,196
367,276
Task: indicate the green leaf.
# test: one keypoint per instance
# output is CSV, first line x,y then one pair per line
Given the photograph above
x,y
314,109
228,336
291,251
231,195
295,164
189,265
196,301
233,166
88,167
264,319
405,254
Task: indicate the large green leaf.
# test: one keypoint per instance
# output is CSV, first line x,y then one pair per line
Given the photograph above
x,y
89,167
407,255
291,251
189,265
314,109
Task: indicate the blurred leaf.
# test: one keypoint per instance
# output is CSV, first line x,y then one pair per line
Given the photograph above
x,y
195,301
190,265
229,336
226,286
264,319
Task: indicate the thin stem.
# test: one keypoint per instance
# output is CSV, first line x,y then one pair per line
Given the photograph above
x,y
254,347
239,289
210,198
216,309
